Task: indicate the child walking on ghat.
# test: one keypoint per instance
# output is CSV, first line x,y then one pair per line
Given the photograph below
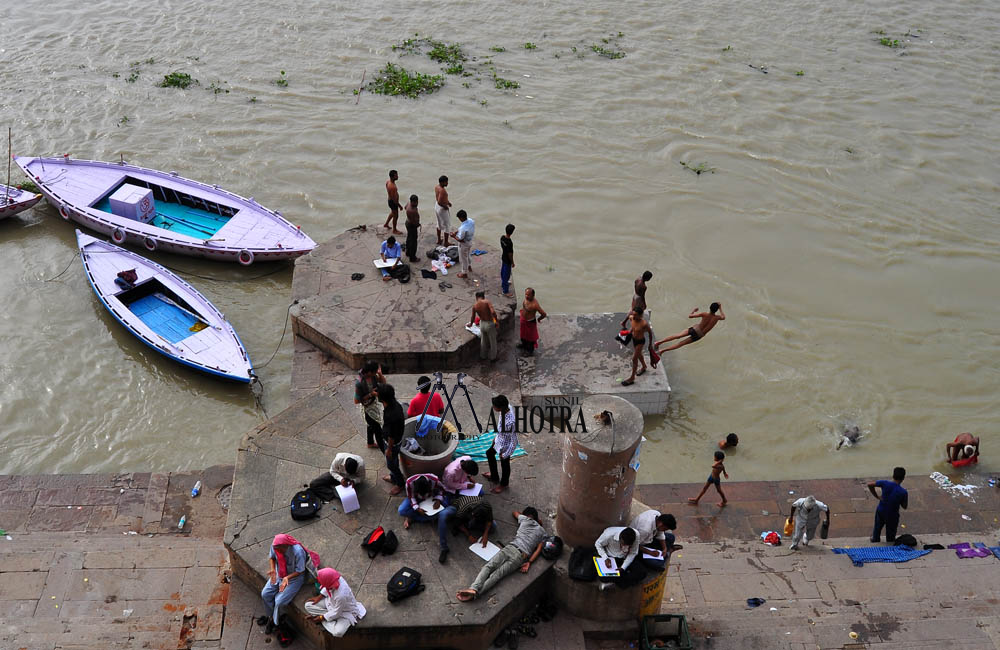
x,y
717,469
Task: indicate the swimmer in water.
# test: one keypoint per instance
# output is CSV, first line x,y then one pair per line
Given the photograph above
x,y
851,436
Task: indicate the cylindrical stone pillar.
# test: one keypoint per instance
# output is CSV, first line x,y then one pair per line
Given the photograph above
x,y
598,470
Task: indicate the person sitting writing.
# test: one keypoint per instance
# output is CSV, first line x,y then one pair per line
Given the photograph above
x,y
617,548
457,475
335,608
391,250
654,530
348,469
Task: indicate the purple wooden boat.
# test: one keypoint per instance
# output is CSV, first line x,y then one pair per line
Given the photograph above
x,y
164,311
164,211
13,200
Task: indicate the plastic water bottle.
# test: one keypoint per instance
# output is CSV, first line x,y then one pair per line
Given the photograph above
x,y
196,490
180,524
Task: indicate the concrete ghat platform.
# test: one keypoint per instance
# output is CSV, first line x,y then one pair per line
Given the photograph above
x,y
414,327
279,456
578,357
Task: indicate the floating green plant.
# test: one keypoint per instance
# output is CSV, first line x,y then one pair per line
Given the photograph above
x,y
282,80
397,80
444,53
530,46
888,42
800,73
608,52
253,99
217,88
177,80
728,48
133,77
123,120
698,169
498,48
504,84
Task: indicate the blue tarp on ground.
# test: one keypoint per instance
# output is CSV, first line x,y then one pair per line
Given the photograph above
x,y
880,554
476,446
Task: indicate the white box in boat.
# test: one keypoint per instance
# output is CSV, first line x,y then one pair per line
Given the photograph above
x,y
133,202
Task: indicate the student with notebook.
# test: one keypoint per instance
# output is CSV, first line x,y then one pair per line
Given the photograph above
x,y
519,554
419,489
617,548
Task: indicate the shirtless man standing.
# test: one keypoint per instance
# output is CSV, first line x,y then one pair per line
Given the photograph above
x,y
412,228
639,295
487,326
965,446
708,320
531,314
441,209
394,206
640,328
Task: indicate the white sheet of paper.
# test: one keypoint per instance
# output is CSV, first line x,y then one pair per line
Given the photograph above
x,y
485,553
428,506
603,570
472,491
652,554
379,264
348,498
475,330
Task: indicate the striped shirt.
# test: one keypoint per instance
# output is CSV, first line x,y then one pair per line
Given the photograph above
x,y
506,440
437,489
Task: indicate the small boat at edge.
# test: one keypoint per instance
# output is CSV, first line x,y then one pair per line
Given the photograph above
x,y
14,200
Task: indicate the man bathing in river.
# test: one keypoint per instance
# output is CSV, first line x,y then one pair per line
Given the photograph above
x,y
531,314
965,446
640,329
394,206
708,320
442,209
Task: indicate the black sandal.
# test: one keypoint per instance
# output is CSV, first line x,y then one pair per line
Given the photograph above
x,y
262,620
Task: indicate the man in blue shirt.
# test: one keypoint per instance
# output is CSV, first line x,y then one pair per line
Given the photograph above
x,y
390,250
464,236
893,497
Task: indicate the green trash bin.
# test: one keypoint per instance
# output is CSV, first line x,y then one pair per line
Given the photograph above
x,y
671,629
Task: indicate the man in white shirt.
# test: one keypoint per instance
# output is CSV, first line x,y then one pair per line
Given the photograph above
x,y
464,236
654,531
805,514
617,548
348,469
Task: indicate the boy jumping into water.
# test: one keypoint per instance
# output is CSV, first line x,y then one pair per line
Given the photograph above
x,y
717,468
708,320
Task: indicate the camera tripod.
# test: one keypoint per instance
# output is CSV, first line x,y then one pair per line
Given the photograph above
x,y
438,384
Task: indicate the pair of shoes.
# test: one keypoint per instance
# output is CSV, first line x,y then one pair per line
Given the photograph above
x,y
793,547
874,540
270,627
444,556
262,620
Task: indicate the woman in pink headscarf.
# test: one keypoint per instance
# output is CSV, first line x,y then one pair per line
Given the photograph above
x,y
289,560
335,607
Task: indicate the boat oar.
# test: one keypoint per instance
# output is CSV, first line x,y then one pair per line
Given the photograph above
x,y
190,313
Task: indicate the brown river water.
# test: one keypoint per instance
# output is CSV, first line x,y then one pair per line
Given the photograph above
x,y
850,227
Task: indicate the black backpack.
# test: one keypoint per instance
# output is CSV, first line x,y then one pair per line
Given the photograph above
x,y
906,540
400,272
404,584
391,543
581,564
374,541
305,505
324,486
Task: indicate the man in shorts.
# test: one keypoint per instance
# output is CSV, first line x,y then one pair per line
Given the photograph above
x,y
690,335
394,206
442,209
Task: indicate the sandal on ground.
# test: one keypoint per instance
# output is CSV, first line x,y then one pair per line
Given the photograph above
x,y
489,477
641,373
498,489
627,382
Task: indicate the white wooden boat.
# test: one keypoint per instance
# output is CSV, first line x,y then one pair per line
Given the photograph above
x,y
164,311
163,211
13,200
